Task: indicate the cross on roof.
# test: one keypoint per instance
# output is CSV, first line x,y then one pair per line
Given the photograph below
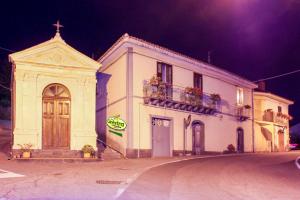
x,y
58,26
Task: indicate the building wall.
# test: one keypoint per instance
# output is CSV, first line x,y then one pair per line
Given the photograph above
x,y
115,101
30,81
262,103
220,130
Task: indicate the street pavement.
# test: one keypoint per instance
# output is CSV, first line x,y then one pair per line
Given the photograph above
x,y
243,176
52,180
254,177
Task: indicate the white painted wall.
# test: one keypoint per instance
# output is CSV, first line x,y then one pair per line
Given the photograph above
x,y
219,131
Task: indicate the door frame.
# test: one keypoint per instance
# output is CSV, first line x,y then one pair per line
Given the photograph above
x,y
70,114
171,132
237,139
194,123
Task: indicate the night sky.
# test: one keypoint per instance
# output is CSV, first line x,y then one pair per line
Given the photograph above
x,y
252,38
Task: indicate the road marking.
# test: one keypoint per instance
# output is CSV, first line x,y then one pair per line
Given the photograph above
x,y
297,162
8,174
129,181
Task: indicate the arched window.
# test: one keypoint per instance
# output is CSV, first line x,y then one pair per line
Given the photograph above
x,y
56,91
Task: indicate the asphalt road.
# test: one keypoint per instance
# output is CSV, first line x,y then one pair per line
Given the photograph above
x,y
260,176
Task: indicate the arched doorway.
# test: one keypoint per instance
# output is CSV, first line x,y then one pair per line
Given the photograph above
x,y
198,137
240,140
280,134
56,117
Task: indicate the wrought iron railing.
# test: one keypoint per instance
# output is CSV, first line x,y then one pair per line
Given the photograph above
x,y
177,97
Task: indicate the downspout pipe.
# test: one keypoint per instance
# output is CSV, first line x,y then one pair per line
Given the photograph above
x,y
12,110
253,129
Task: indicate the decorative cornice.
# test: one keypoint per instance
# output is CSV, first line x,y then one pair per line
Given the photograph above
x,y
273,96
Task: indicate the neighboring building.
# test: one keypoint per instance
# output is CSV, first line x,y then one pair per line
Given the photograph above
x,y
295,134
53,98
158,91
272,117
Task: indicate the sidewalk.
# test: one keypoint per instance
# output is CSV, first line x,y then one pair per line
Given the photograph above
x,y
98,180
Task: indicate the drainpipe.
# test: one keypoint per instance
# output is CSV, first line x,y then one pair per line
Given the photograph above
x,y
184,137
253,129
12,109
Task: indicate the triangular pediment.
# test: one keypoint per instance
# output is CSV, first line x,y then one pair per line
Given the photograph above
x,y
55,52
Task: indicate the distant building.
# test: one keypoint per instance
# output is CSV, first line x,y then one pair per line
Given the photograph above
x,y
158,91
271,116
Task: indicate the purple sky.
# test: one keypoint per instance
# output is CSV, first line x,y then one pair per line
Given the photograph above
x,y
253,38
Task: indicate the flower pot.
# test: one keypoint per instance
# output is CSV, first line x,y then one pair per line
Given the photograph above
x,y
26,154
86,155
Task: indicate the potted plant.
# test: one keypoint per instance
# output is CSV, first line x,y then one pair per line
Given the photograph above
x,y
87,150
154,81
26,150
247,107
215,98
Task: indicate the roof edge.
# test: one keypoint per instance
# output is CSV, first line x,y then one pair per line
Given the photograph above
x,y
126,37
275,97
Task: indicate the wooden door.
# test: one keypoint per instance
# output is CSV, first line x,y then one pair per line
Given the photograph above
x,y
240,140
280,141
56,117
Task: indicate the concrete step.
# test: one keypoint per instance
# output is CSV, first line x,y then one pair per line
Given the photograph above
x,y
57,160
56,154
110,154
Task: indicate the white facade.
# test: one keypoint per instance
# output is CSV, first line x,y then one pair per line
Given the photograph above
x,y
53,62
130,62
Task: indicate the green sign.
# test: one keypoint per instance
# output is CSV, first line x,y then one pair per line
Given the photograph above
x,y
116,133
116,123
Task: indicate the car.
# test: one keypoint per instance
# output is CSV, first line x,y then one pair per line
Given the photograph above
x,y
294,146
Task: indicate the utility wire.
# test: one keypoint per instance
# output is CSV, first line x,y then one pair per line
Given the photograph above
x,y
5,87
5,49
277,76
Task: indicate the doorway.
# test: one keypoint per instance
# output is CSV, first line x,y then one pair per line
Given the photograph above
x,y
240,140
56,117
198,138
280,140
161,137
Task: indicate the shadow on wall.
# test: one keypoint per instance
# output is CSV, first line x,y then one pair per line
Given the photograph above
x,y
5,136
101,108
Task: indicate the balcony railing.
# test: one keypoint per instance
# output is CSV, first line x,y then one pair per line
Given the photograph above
x,y
176,97
276,117
243,112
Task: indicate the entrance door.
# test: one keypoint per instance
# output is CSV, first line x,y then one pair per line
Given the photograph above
x,y
240,140
161,131
198,138
280,140
56,117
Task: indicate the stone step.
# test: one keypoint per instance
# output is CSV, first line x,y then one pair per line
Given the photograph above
x,y
51,154
57,160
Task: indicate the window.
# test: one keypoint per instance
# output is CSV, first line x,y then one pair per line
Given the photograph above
x,y
198,81
240,96
279,109
164,72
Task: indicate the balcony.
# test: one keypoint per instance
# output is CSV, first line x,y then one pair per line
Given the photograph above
x,y
276,117
243,112
175,97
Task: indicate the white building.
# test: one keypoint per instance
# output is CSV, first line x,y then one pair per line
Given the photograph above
x,y
180,91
